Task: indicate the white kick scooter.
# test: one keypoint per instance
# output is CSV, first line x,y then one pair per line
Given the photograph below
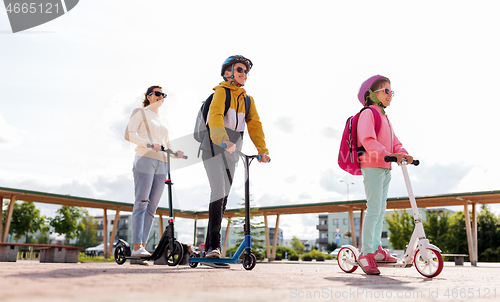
x,y
426,257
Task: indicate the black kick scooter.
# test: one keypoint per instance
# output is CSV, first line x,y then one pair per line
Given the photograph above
x,y
168,247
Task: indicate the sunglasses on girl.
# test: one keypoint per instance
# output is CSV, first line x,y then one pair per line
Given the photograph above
x,y
157,93
387,91
241,70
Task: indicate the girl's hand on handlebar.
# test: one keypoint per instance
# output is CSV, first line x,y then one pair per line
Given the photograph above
x,y
409,159
264,158
398,156
230,147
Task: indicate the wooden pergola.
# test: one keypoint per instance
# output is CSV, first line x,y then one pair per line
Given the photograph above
x,y
459,199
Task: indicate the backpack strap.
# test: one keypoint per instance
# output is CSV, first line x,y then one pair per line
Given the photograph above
x,y
228,100
376,117
247,107
378,120
378,124
146,125
226,109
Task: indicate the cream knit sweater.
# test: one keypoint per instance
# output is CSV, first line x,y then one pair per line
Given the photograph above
x,y
138,134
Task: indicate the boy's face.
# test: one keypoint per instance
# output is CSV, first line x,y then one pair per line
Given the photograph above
x,y
240,73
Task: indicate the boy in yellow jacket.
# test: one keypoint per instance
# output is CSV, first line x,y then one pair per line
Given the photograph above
x,y
228,129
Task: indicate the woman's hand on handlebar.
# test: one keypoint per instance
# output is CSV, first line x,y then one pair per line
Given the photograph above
x,y
264,158
180,154
156,147
230,147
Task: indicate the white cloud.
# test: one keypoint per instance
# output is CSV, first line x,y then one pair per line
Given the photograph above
x,y
9,135
80,83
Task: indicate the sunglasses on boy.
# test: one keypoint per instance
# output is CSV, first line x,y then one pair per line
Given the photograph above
x,y
157,93
241,70
386,90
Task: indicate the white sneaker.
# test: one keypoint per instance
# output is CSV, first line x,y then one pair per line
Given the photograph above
x,y
141,252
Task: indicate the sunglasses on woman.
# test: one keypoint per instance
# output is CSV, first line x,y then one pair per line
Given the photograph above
x,y
157,93
241,70
386,90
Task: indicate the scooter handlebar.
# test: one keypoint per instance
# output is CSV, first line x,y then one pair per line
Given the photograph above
x,y
393,159
259,157
168,151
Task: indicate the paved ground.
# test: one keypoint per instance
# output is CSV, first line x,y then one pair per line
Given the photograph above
x,y
278,281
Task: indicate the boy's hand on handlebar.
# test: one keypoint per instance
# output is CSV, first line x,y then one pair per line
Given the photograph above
x,y
230,147
264,158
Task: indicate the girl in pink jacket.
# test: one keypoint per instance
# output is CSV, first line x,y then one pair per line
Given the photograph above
x,y
376,92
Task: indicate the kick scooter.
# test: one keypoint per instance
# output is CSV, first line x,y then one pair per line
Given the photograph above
x,y
168,247
419,252
249,260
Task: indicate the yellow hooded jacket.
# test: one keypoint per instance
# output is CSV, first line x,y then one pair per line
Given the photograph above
x,y
235,117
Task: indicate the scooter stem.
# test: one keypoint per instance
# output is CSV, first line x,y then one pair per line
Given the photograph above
x,y
411,196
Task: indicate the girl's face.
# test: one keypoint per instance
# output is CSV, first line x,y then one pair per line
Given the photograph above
x,y
383,97
153,98
240,73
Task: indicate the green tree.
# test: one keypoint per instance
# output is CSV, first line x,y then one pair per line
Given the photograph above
x,y
26,219
457,242
488,235
297,245
88,236
44,238
257,229
284,251
331,246
437,227
68,221
400,225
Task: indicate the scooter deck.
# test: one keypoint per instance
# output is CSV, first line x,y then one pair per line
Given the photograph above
x,y
397,264
139,258
214,260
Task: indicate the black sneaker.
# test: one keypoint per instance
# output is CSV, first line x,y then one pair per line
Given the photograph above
x,y
217,265
213,253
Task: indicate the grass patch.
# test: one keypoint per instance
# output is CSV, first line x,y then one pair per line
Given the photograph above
x,y
84,258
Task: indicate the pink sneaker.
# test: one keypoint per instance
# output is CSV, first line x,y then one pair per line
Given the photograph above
x,y
384,256
368,264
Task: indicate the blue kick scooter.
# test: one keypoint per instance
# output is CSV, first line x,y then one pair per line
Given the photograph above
x,y
249,260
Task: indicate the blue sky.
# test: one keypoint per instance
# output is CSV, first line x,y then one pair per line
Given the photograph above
x,y
68,87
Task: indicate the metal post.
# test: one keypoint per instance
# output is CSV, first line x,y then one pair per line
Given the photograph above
x,y
347,183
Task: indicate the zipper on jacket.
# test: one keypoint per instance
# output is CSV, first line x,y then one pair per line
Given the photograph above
x,y
237,108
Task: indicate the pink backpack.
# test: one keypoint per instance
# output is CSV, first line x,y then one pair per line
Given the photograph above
x,y
349,153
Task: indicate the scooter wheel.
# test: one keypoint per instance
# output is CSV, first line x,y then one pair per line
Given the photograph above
x,y
120,254
193,264
249,262
174,257
434,265
346,259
